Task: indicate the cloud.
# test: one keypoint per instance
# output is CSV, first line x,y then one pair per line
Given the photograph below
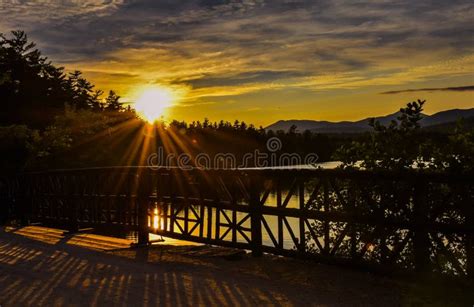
x,y
251,77
454,89
230,47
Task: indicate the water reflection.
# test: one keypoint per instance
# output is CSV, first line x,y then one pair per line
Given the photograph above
x,y
157,222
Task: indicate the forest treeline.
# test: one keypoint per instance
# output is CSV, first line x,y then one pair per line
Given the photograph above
x,y
33,91
51,118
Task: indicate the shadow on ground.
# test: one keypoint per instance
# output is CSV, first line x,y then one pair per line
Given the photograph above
x,y
43,267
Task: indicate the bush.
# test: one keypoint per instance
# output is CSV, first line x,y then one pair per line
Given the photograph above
x,y
402,146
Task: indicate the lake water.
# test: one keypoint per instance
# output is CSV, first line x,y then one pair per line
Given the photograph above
x,y
266,240
271,220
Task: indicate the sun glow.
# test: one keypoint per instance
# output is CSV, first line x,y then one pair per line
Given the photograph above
x,y
153,103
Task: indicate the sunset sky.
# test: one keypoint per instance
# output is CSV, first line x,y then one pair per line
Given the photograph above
x,y
261,60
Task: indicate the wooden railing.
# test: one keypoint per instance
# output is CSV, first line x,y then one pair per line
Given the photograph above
x,y
412,221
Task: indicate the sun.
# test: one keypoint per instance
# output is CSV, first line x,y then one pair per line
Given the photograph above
x,y
153,103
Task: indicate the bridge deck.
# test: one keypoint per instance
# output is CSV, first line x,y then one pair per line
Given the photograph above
x,y
58,236
41,266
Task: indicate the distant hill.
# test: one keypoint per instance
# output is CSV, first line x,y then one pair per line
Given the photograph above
x,y
448,116
450,126
437,119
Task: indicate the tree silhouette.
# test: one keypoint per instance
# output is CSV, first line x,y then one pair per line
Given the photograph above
x,y
403,145
112,102
83,94
33,91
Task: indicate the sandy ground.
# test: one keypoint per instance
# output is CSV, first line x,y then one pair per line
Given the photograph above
x,y
41,266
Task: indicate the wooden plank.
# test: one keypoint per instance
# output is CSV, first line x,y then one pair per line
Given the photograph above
x,y
314,236
209,222
255,220
313,195
339,240
204,240
226,232
234,229
186,217
290,194
290,230
165,215
302,207
218,223
280,218
326,219
270,233
202,212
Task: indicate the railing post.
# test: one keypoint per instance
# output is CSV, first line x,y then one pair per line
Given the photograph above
x,y
326,225
73,224
421,242
72,200
21,200
255,218
142,207
302,207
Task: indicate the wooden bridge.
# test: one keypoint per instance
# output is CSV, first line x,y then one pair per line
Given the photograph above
x,y
390,221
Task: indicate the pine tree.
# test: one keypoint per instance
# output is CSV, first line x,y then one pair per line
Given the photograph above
x,y
112,102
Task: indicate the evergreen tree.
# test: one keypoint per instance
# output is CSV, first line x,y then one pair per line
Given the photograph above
x,y
112,102
33,91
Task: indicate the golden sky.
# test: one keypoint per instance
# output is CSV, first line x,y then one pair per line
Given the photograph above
x,y
262,61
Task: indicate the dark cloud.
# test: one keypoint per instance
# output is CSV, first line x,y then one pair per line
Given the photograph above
x,y
240,79
118,75
211,3
142,21
264,40
344,60
454,89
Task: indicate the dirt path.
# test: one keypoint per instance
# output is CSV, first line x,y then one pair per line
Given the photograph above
x,y
41,268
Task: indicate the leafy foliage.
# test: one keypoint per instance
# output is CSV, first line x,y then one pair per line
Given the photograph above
x,y
402,145
456,154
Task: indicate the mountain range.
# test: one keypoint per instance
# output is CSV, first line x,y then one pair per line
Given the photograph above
x,y
440,118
